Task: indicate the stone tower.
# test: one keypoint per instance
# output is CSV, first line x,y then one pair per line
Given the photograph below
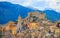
x,y
19,26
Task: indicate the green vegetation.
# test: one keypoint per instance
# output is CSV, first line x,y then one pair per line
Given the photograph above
x,y
0,34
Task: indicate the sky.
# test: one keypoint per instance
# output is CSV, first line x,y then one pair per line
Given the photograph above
x,y
38,4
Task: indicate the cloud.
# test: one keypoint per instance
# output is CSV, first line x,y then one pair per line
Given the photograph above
x,y
27,3
44,4
38,4
53,4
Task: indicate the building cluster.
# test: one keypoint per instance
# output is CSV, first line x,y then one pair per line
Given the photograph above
x,y
35,25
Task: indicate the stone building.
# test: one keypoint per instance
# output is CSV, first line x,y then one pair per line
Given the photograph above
x,y
36,16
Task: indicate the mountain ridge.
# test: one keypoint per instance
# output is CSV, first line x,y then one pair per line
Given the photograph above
x,y
10,12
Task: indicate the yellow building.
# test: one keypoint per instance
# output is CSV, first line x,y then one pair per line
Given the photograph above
x,y
33,25
11,26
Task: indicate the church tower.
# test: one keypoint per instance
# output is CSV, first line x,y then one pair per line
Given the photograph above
x,y
19,19
19,26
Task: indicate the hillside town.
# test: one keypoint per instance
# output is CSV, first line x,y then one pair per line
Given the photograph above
x,y
35,25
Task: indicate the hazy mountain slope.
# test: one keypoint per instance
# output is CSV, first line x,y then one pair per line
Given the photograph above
x,y
9,11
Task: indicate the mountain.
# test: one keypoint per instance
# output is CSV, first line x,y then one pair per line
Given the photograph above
x,y
52,15
10,12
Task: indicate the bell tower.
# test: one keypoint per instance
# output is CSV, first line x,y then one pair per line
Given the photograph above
x,y
19,26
